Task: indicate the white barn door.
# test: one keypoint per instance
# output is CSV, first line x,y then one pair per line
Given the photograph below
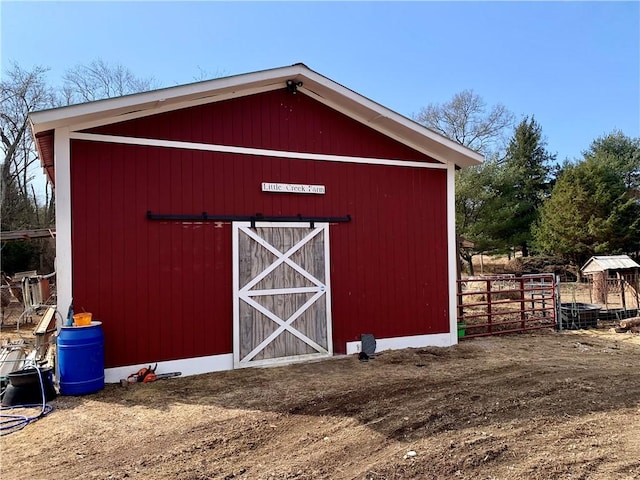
x,y
281,294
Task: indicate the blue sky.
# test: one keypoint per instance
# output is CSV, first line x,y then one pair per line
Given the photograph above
x,y
574,65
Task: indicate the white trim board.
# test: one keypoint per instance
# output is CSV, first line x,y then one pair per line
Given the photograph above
x,y
383,124
223,362
64,254
398,343
161,106
452,255
188,366
315,85
150,142
374,111
202,365
74,114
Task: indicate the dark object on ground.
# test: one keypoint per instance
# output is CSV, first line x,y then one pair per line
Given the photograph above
x,y
25,387
368,342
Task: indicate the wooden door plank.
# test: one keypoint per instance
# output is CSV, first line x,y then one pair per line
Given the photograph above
x,y
281,299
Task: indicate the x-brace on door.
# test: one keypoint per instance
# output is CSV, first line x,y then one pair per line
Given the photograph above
x,y
281,293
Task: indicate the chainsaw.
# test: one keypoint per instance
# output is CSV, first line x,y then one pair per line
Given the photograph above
x,y
148,374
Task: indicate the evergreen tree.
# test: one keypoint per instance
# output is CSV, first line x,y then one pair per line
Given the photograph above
x,y
625,157
523,186
594,206
476,208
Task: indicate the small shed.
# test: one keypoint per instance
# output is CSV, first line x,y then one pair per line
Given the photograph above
x,y
613,272
267,217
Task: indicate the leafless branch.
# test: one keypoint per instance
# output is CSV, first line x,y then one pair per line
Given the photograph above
x,y
98,79
465,120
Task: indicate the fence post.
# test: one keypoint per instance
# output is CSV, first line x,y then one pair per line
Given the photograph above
x,y
637,289
556,301
532,286
460,301
522,303
489,315
621,282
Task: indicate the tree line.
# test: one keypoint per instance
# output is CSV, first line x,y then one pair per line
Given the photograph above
x,y
23,205
519,199
522,199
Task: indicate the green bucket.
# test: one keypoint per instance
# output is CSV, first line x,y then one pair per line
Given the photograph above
x,y
461,330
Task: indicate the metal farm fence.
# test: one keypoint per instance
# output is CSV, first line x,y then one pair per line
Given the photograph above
x,y
611,293
493,305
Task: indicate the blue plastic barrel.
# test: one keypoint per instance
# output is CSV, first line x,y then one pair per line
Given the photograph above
x,y
81,359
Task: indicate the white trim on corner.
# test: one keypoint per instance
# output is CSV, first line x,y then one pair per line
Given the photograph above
x,y
188,366
64,255
412,341
235,262
327,282
150,142
452,260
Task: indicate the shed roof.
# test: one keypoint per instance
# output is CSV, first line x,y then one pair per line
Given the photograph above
x,y
308,82
610,262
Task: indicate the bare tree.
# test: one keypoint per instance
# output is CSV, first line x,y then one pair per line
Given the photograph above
x,y
21,91
466,120
98,79
204,74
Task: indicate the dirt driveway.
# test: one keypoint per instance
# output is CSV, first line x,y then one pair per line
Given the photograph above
x,y
540,406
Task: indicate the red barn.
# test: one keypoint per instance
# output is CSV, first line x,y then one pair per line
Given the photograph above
x,y
260,218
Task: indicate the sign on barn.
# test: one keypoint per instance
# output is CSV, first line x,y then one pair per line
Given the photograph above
x,y
292,188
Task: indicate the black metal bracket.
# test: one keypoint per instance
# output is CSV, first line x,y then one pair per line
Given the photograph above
x,y
258,217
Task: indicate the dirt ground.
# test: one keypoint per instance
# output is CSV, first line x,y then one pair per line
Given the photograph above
x,y
529,406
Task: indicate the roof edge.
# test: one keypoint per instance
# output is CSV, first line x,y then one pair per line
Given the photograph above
x,y
52,118
316,85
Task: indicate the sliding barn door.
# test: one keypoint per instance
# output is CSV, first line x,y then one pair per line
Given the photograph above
x,y
281,295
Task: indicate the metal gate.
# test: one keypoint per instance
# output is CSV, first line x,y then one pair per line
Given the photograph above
x,y
506,304
281,294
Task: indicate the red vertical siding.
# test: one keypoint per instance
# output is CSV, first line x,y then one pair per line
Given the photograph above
x,y
275,120
163,289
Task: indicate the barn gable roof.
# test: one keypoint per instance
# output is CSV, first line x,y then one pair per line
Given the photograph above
x,y
305,81
610,262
